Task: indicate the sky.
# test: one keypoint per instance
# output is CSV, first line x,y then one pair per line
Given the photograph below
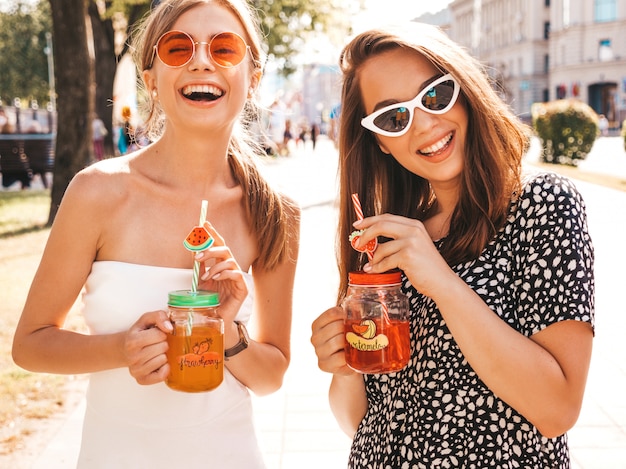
x,y
380,12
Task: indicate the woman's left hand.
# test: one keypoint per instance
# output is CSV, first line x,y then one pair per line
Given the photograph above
x,y
220,272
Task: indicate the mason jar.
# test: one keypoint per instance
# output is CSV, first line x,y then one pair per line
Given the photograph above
x,y
196,346
376,323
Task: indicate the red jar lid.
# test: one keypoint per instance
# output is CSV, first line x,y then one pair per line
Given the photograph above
x,y
393,277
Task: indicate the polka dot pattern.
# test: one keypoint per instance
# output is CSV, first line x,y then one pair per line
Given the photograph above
x,y
437,413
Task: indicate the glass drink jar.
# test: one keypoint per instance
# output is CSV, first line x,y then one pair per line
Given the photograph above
x,y
376,325
196,346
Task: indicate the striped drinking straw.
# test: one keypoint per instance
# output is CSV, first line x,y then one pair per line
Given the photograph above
x,y
356,202
359,215
196,268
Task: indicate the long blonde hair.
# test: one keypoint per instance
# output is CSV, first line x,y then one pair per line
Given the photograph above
x,y
268,213
495,143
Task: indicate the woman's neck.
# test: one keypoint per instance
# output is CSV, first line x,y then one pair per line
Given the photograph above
x,y
190,161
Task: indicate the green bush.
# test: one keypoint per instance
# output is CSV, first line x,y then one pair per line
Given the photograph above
x,y
567,129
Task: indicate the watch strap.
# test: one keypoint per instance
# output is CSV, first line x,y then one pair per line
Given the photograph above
x,y
239,346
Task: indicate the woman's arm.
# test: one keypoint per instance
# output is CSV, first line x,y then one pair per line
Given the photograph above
x,y
347,396
262,366
348,401
40,342
543,377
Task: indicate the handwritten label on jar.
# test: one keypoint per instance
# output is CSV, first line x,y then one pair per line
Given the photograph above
x,y
200,356
363,337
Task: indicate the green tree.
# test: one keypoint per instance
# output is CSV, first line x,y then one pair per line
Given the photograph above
x,y
287,24
110,45
23,62
74,79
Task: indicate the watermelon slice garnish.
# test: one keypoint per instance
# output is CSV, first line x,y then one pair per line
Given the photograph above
x,y
369,247
198,239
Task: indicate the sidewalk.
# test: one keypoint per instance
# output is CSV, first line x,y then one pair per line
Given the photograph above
x,y
296,427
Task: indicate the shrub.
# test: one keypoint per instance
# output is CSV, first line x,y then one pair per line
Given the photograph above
x,y
567,129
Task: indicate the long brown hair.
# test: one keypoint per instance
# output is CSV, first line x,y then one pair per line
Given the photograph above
x,y
268,213
495,144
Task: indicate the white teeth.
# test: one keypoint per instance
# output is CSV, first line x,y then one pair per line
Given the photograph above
x,y
437,146
206,89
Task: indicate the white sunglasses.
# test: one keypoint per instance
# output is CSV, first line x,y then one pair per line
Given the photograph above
x,y
395,120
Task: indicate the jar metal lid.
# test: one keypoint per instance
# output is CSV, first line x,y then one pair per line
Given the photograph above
x,y
393,277
197,299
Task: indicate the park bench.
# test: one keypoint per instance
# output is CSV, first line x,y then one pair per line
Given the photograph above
x,y
23,156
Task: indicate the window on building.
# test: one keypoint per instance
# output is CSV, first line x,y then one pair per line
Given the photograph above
x,y
546,30
605,10
546,63
605,52
547,3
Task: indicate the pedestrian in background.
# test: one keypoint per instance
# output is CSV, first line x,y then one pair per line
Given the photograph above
x,y
5,124
498,267
315,131
126,132
99,132
603,125
287,137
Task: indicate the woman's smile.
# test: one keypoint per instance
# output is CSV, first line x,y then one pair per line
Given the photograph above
x,y
438,147
202,92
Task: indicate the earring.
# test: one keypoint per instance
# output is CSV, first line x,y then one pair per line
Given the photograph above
x,y
250,92
154,93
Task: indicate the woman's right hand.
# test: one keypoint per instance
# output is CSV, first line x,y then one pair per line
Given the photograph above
x,y
145,345
328,339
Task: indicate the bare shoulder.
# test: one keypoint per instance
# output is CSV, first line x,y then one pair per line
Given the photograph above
x,y
108,170
102,182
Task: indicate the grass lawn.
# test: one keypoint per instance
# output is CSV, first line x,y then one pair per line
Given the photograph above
x,y
25,398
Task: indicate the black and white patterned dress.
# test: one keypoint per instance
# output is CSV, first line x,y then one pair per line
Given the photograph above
x,y
437,413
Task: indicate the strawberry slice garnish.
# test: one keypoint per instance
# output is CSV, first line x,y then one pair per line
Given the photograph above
x,y
369,247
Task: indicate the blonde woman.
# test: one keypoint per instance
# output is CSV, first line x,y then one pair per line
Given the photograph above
x,y
119,234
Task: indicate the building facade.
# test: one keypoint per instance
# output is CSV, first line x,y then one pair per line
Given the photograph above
x,y
542,50
588,54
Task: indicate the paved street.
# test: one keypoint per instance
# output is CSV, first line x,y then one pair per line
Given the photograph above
x,y
295,424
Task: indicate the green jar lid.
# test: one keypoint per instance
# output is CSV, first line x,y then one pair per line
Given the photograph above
x,y
188,298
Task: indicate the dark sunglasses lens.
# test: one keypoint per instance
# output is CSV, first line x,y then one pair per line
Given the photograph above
x,y
439,96
228,49
393,120
175,49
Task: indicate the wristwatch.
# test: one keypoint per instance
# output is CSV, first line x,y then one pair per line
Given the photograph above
x,y
240,346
